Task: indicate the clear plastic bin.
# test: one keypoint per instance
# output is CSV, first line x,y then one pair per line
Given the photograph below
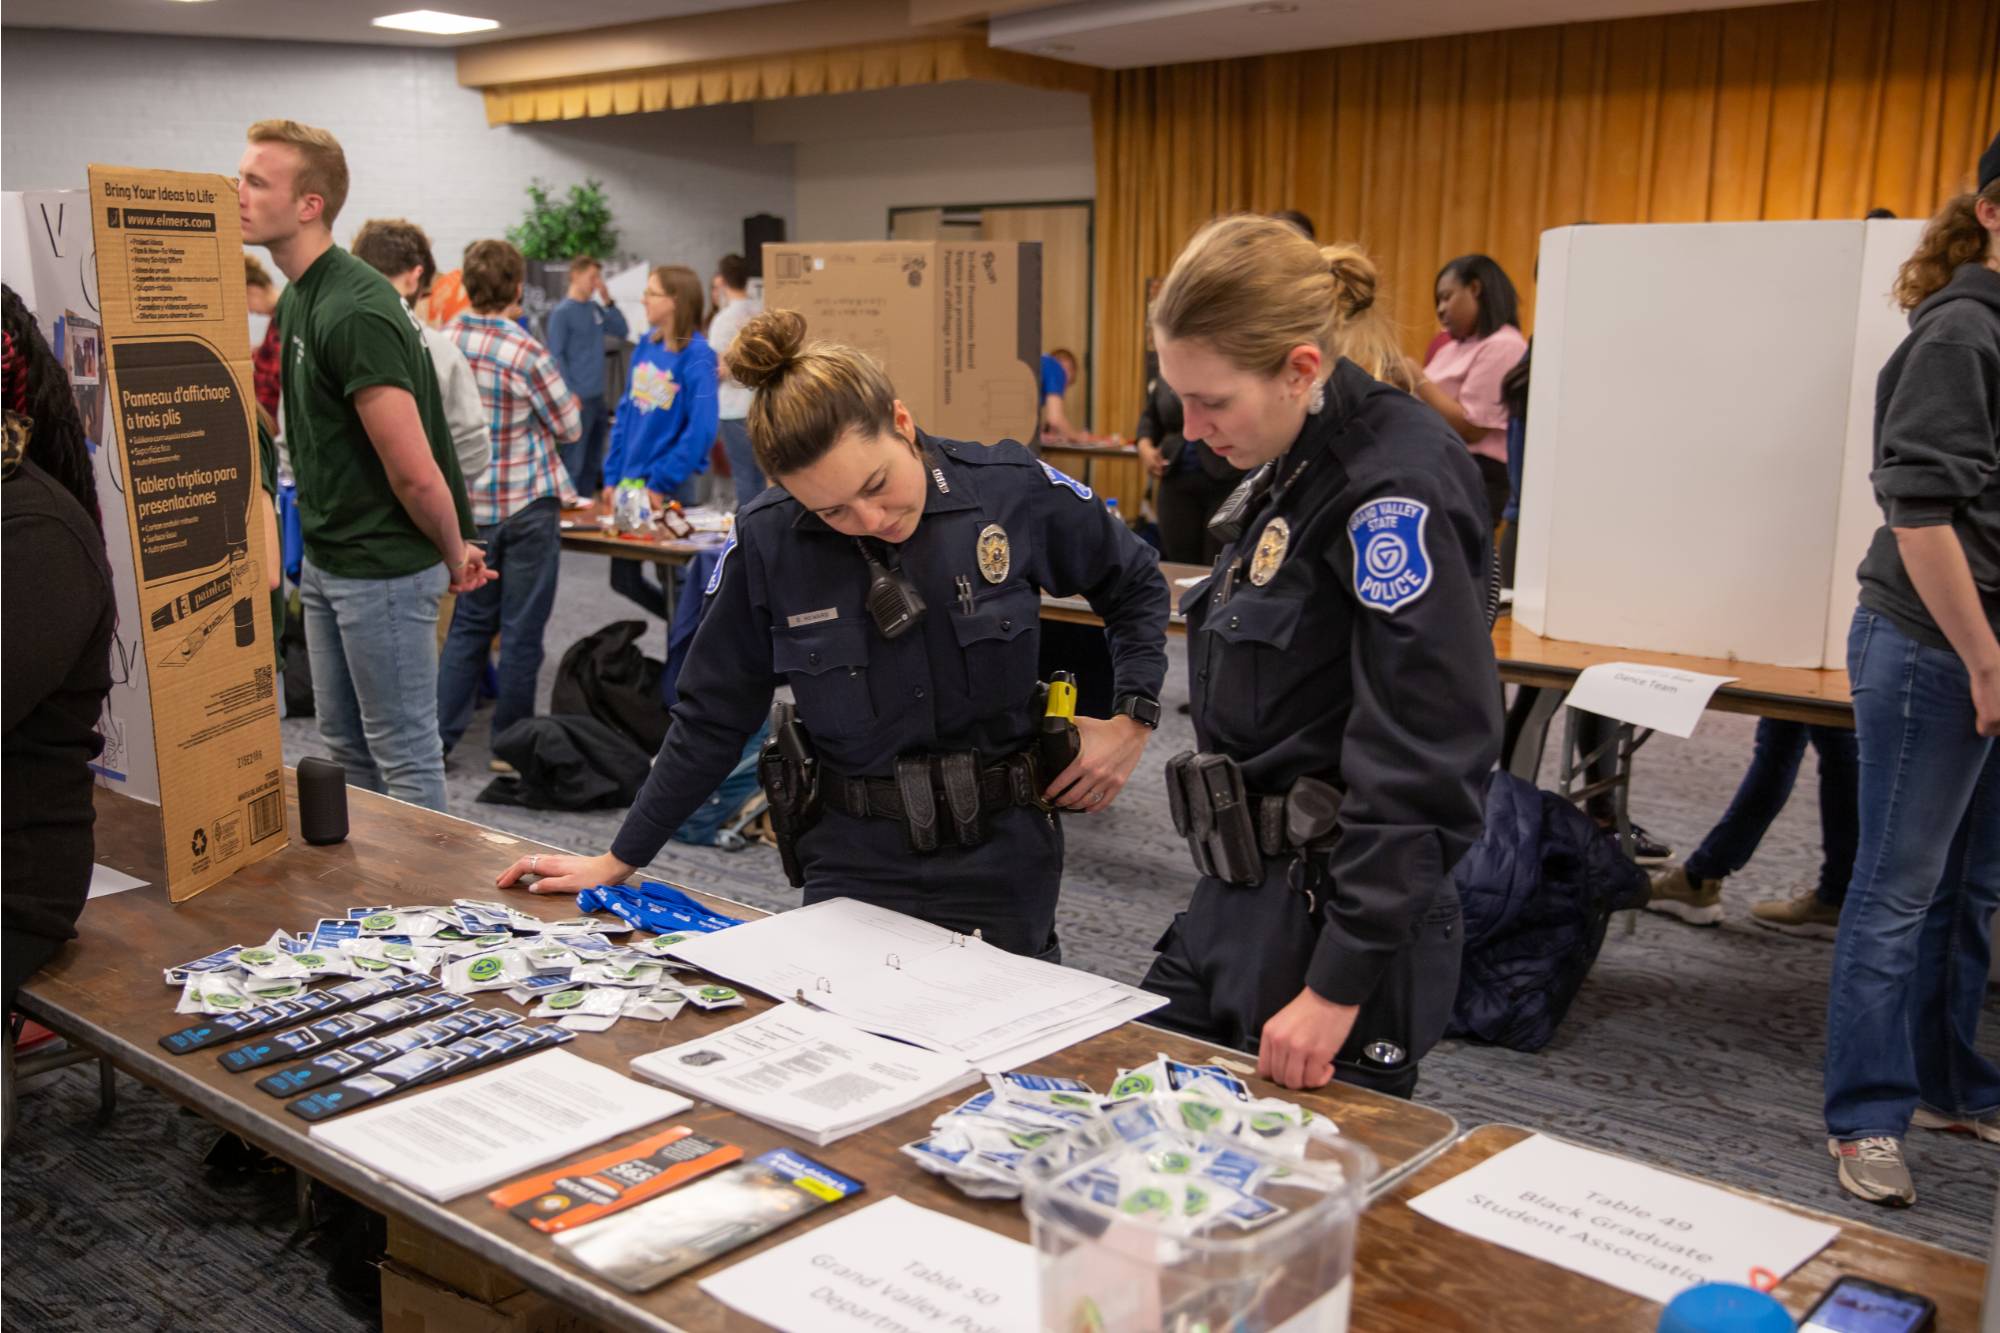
x,y
1103,1270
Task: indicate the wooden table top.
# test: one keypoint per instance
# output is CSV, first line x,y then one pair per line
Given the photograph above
x,y
582,531
1076,611
1416,1275
1090,450
105,990
1795,694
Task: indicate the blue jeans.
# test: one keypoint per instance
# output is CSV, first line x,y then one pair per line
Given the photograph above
x,y
743,468
1767,785
583,457
526,548
373,647
1910,965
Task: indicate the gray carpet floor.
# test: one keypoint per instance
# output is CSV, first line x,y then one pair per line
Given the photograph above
x,y
1697,1049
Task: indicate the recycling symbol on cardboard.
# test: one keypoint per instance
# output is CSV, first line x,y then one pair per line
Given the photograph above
x,y
199,842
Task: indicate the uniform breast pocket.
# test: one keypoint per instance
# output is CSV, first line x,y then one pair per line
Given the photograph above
x,y
996,642
827,668
1247,665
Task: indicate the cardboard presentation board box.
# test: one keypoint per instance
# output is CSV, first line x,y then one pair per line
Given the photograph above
x,y
1700,431
177,349
956,324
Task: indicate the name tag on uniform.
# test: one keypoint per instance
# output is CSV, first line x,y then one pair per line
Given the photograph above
x,y
813,617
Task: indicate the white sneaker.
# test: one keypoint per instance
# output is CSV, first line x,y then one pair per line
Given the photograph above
x,y
1986,1127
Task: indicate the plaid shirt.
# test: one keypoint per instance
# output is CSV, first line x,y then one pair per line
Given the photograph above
x,y
529,411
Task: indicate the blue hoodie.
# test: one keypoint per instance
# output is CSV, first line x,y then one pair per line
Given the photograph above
x,y
667,419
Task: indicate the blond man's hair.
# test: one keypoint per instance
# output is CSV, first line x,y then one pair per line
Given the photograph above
x,y
322,164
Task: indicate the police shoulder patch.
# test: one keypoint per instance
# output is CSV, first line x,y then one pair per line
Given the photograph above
x,y
721,561
1057,477
1392,566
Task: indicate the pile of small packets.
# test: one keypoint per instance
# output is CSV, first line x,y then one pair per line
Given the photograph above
x,y
576,971
1175,1166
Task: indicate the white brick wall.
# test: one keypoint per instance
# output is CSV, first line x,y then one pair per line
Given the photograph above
x,y
417,144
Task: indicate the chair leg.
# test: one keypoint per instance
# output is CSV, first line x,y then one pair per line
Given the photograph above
x,y
107,1089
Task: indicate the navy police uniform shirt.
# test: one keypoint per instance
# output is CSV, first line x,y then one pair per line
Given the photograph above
x,y
788,604
1351,644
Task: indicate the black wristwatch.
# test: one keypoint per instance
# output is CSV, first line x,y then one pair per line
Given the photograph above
x,y
1144,711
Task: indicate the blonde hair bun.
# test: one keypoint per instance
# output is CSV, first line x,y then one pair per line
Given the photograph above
x,y
768,346
1353,277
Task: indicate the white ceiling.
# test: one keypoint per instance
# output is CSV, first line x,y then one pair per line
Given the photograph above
x,y
1128,34
345,20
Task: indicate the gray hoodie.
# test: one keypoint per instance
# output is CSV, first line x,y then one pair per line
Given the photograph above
x,y
1937,447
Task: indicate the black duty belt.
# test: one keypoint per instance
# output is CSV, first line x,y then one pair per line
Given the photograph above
x,y
936,797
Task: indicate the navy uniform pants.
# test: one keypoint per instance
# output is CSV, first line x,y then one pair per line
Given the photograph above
x,y
1005,888
1238,955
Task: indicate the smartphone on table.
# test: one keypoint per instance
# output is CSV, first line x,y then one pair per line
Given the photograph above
x,y
1856,1305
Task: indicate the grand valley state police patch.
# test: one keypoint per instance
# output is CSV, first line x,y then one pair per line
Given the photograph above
x,y
1392,567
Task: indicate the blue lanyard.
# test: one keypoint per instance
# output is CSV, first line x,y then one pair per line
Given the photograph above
x,y
664,909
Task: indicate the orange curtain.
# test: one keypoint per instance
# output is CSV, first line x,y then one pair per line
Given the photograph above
x,y
1423,150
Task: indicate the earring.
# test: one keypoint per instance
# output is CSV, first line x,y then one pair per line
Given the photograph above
x,y
1318,403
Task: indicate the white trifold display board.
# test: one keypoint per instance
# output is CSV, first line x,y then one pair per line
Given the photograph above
x,y
50,260
1700,432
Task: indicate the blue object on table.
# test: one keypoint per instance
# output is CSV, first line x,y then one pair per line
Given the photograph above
x,y
1721,1307
664,909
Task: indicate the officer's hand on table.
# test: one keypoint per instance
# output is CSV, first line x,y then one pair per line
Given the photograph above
x,y
552,872
1299,1042
1110,751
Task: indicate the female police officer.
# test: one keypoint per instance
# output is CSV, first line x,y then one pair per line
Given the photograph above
x,y
894,581
1343,682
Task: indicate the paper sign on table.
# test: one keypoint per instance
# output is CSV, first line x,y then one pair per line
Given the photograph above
x,y
1663,698
1645,1231
890,1265
104,881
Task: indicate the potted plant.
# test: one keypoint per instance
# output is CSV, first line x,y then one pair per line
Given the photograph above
x,y
555,230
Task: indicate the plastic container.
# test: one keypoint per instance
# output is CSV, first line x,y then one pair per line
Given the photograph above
x,y
1722,1307
1104,1271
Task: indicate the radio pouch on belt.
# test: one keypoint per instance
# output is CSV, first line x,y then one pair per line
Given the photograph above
x,y
913,784
958,774
1212,811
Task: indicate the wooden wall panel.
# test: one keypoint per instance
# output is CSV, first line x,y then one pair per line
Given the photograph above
x,y
1422,150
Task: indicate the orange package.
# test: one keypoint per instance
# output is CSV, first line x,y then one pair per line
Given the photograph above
x,y
582,1192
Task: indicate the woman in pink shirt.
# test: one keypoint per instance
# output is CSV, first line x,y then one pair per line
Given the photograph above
x,y
1477,308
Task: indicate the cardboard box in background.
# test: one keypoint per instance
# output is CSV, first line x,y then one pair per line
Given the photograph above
x,y
1700,428
180,406
956,324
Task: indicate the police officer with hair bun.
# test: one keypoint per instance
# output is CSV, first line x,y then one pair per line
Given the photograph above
x,y
1342,680
894,581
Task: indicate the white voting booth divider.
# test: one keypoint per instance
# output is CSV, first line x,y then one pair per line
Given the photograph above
x,y
1700,431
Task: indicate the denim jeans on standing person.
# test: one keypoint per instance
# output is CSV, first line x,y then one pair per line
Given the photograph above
x,y
583,457
1911,962
1767,785
374,651
526,549
742,461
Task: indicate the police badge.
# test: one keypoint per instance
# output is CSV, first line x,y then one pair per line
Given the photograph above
x,y
1270,553
996,558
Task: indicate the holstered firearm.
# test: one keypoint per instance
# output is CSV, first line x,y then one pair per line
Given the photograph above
x,y
789,773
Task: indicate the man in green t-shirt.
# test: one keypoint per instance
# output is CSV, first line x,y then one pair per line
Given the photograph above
x,y
381,502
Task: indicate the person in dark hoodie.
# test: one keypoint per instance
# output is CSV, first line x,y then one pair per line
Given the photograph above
x,y
1911,961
